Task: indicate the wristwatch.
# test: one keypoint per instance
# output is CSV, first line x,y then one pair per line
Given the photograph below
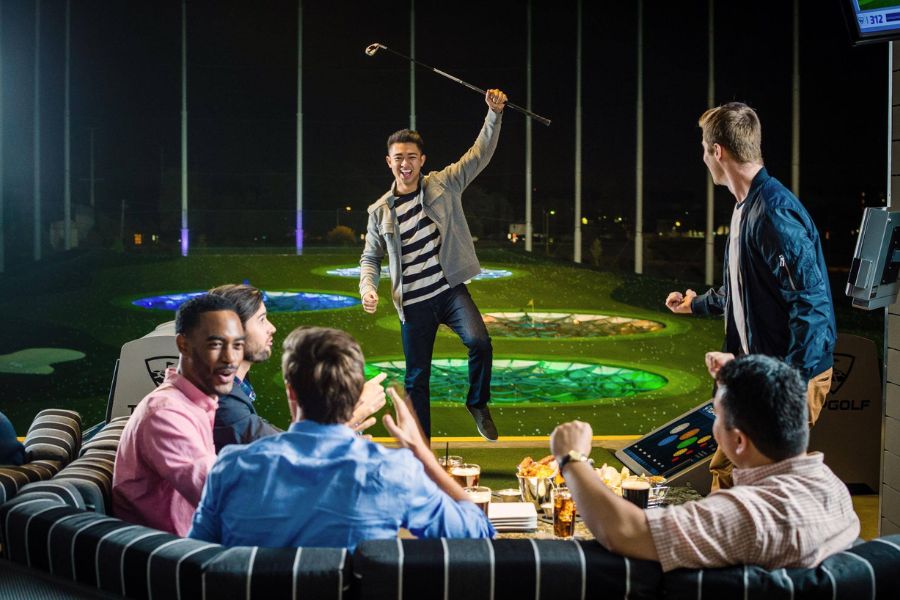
x,y
574,456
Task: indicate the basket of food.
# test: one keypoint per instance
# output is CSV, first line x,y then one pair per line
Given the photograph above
x,y
536,479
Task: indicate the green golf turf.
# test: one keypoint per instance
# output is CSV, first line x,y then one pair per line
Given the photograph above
x,y
83,303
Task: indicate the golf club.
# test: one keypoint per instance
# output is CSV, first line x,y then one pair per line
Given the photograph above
x,y
371,49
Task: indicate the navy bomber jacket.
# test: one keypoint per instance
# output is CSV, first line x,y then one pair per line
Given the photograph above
x,y
786,293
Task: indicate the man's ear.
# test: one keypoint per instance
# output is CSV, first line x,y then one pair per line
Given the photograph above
x,y
387,159
742,444
718,151
182,343
293,405
423,161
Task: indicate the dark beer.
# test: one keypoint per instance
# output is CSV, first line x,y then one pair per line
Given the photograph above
x,y
637,492
563,513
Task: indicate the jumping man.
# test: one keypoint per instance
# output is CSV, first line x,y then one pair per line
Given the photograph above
x,y
421,225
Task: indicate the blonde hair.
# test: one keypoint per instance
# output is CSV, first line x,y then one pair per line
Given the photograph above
x,y
735,127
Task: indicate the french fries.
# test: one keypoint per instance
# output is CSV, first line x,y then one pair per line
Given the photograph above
x,y
546,467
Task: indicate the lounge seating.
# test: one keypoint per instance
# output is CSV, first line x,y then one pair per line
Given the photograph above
x,y
56,528
53,440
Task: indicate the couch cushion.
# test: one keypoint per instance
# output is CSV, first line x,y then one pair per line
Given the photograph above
x,y
254,572
12,479
865,571
107,438
474,569
92,474
55,434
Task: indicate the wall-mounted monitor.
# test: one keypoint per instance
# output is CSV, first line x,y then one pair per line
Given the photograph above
x,y
871,21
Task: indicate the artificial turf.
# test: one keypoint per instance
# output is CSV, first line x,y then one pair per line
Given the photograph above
x,y
83,303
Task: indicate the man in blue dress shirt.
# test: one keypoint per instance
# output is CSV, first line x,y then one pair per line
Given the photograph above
x,y
322,484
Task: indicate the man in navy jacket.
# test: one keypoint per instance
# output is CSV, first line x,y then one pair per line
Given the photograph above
x,y
775,295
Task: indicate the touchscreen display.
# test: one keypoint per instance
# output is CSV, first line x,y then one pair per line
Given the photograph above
x,y
678,444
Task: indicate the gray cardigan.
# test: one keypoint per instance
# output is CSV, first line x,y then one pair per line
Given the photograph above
x,y
441,198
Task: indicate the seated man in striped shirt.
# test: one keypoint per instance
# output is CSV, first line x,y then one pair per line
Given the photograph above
x,y
421,226
786,509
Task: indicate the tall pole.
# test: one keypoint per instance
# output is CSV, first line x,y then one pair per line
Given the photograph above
x,y
795,106
710,101
577,235
412,65
67,139
2,239
298,230
93,179
184,124
37,130
639,155
529,227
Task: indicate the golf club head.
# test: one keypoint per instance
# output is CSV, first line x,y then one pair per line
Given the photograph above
x,y
371,49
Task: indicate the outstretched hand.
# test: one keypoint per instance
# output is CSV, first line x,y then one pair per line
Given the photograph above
x,y
681,303
405,429
371,400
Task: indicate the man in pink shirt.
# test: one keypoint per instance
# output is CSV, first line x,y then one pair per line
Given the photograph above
x,y
167,447
787,509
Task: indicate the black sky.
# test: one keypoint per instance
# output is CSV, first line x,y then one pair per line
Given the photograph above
x,y
242,102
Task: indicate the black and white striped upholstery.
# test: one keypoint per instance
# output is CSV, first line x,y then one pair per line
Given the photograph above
x,y
42,531
254,572
92,474
869,570
12,479
107,438
55,434
494,569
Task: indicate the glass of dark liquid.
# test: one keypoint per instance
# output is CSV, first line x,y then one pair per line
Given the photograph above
x,y
636,491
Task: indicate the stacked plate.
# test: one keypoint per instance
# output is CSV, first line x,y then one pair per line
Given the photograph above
x,y
513,516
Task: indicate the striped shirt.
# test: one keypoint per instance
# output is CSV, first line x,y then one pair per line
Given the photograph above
x,y
793,513
420,244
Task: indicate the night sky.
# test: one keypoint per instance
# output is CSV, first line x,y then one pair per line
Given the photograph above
x,y
242,104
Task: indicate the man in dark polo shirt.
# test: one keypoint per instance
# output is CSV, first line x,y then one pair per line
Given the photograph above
x,y
237,421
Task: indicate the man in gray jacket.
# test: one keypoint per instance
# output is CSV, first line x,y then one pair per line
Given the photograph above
x,y
421,226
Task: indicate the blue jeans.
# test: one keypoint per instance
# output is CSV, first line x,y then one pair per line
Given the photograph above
x,y
454,308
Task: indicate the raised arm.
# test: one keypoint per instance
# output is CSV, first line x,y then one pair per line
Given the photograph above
x,y
460,174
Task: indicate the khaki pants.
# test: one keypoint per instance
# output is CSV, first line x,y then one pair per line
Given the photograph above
x,y
816,391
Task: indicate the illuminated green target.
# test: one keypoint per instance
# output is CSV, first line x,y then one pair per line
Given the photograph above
x,y
517,381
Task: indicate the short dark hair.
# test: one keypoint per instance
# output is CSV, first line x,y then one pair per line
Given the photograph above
x,y
246,298
188,314
406,136
766,399
326,369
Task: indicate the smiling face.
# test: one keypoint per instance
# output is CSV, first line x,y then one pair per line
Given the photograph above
x,y
405,161
212,351
259,333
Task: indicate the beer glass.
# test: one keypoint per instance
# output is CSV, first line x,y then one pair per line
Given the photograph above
x,y
466,475
448,462
480,496
563,513
636,491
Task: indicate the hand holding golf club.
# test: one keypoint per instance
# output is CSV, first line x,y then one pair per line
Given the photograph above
x,y
496,100
372,50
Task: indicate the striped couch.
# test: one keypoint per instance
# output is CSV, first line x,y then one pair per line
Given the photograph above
x,y
53,440
61,527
